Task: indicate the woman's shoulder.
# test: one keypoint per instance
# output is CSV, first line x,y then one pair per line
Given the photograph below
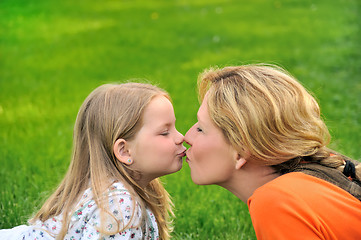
x,y
279,187
302,204
297,187
302,183
286,195
294,182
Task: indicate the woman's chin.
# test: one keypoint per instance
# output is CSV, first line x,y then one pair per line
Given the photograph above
x,y
199,181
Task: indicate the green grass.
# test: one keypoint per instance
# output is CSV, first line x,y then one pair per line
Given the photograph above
x,y
52,54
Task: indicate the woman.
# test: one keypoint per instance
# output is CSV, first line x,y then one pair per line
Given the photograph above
x,y
259,134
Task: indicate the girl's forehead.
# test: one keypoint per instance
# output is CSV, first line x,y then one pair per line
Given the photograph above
x,y
159,107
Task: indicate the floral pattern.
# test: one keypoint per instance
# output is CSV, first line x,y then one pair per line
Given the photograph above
x,y
85,220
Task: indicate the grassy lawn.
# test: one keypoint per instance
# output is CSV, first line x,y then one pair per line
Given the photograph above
x,y
52,54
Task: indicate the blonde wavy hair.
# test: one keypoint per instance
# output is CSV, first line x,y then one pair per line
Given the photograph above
x,y
110,112
265,112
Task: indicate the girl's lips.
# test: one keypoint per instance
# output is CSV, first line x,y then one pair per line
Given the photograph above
x,y
182,154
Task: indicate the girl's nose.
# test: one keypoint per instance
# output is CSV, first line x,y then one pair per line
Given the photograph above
x,y
188,136
180,138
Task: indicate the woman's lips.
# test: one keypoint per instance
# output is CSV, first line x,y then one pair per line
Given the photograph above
x,y
187,159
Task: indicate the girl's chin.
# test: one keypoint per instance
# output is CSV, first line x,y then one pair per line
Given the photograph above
x,y
180,165
176,167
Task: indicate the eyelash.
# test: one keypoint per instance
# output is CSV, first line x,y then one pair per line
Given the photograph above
x,y
199,129
165,133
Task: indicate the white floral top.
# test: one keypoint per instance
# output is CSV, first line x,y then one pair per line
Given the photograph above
x,y
86,219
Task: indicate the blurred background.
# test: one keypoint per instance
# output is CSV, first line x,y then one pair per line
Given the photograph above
x,y
54,53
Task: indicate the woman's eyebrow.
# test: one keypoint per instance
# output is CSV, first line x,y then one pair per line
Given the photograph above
x,y
198,118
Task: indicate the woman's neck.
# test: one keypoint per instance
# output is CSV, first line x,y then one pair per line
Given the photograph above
x,y
246,180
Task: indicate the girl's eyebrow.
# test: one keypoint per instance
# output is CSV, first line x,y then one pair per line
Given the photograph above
x,y
169,124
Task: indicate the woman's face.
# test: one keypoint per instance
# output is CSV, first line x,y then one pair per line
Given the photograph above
x,y
210,157
158,148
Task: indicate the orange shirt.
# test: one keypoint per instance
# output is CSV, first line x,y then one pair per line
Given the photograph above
x,y
299,206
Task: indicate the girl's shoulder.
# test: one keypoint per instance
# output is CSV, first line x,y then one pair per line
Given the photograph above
x,y
114,189
116,198
118,188
119,210
119,217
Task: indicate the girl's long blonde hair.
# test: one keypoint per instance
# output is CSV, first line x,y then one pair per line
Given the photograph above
x,y
110,112
264,111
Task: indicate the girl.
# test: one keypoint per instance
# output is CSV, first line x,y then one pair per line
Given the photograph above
x,y
124,139
259,134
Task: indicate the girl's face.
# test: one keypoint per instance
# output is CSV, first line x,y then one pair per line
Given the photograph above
x,y
158,148
210,157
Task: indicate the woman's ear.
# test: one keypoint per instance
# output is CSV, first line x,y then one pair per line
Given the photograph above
x,y
241,160
121,152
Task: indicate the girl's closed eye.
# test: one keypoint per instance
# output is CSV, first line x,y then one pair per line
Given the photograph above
x,y
165,133
199,129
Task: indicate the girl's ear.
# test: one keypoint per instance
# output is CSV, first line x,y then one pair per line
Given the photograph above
x,y
121,151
